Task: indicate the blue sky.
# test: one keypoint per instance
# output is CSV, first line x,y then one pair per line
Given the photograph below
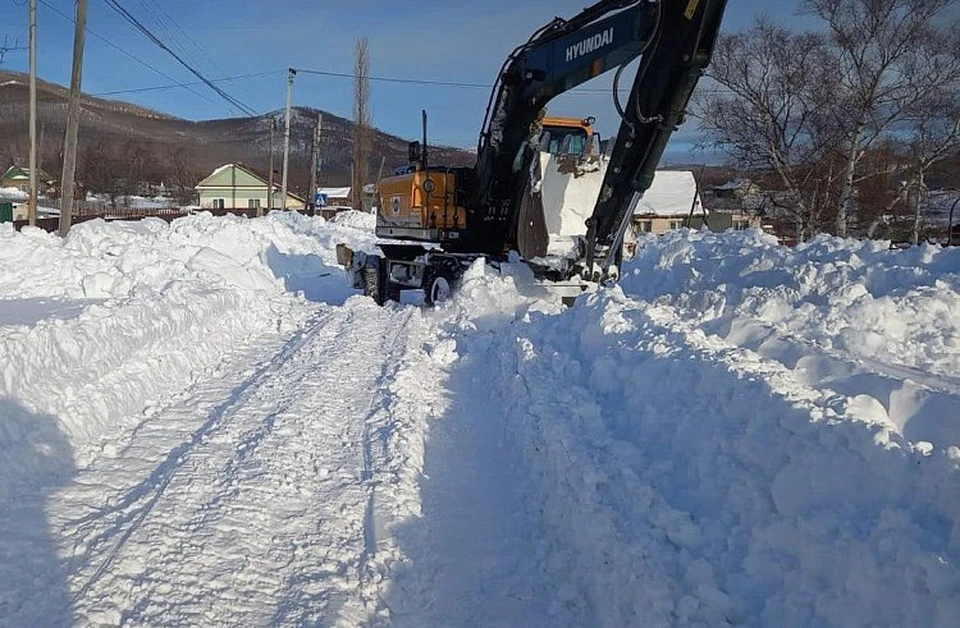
x,y
428,39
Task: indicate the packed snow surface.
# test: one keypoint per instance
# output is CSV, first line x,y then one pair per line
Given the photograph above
x,y
202,424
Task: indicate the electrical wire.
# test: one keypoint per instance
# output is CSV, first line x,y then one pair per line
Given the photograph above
x,y
127,54
126,15
158,88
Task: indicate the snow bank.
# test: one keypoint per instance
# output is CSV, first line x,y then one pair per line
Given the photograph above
x,y
898,306
354,219
851,315
151,305
688,482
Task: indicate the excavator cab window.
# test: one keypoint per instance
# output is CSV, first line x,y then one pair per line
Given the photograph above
x,y
564,141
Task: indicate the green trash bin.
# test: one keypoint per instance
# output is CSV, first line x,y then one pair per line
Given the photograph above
x,y
6,211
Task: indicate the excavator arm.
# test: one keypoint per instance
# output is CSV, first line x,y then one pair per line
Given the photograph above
x,y
560,56
675,39
664,83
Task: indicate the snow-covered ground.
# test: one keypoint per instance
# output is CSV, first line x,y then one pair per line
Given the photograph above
x,y
201,424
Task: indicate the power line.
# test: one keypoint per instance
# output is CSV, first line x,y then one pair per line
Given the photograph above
x,y
169,18
158,88
452,84
124,52
113,4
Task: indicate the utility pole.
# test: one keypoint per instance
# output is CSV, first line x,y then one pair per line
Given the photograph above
x,y
32,201
73,122
315,165
291,73
273,126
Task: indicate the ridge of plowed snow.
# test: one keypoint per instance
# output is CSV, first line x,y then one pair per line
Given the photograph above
x,y
200,424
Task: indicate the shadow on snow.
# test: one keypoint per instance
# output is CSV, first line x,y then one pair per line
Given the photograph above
x,y
35,460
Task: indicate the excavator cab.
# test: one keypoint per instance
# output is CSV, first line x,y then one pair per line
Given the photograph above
x,y
568,136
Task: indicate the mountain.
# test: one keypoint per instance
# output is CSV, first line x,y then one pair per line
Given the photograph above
x,y
122,141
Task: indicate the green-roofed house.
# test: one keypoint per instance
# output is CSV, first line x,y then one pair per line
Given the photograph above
x,y
19,177
234,186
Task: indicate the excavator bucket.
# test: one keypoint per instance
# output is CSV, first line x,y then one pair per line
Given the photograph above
x,y
561,197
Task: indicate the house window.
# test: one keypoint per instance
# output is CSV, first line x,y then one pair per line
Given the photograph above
x,y
218,203
253,203
676,224
645,226
741,225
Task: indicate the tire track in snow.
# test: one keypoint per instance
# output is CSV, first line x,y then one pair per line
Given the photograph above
x,y
138,501
264,511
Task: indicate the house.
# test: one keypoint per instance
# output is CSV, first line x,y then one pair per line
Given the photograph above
x,y
235,186
668,203
333,197
736,188
673,201
19,177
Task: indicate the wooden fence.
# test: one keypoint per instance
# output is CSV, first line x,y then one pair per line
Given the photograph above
x,y
168,214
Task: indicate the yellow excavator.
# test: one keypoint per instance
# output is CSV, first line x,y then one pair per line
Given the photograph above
x,y
541,188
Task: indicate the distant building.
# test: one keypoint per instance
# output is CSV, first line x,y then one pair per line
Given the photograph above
x,y
342,197
669,202
674,201
335,196
736,188
234,186
19,177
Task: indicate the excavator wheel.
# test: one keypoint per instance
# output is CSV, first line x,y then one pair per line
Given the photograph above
x,y
375,282
371,282
437,287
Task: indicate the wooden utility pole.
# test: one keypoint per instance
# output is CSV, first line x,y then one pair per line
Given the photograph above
x,y
32,201
73,122
291,73
315,165
273,126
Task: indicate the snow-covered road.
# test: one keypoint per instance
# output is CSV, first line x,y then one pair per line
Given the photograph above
x,y
258,503
200,425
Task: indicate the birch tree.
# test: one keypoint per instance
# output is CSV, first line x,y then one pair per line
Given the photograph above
x,y
769,110
883,52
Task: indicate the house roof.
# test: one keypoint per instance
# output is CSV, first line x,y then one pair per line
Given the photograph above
x,y
733,184
19,172
341,192
672,193
210,181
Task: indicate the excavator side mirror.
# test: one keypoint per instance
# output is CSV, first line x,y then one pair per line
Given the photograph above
x,y
414,152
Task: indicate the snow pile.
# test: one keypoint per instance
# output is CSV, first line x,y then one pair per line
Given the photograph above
x,y
843,314
150,306
688,482
354,219
897,306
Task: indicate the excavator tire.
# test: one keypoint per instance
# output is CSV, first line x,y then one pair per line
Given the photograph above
x,y
437,287
371,282
375,283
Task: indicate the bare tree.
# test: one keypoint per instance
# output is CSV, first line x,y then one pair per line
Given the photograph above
x,y
769,110
182,176
6,47
361,121
883,49
932,123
